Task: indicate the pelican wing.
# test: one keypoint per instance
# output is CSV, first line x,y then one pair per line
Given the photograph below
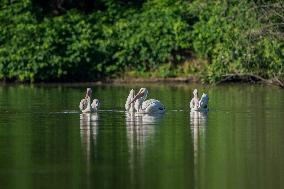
x,y
153,106
191,104
88,109
95,105
203,103
83,104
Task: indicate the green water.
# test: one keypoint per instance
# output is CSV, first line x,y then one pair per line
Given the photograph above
x,y
46,143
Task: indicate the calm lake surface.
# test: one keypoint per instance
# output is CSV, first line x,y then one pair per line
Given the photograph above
x,y
46,143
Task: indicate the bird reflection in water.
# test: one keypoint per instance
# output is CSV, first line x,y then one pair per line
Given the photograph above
x,y
88,131
140,129
198,125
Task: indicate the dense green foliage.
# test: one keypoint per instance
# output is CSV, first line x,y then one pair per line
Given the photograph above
x,y
86,40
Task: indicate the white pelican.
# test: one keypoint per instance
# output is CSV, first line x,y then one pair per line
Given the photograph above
x,y
199,105
129,107
85,104
149,106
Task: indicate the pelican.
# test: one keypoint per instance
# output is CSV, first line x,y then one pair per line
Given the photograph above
x,y
199,105
149,106
85,104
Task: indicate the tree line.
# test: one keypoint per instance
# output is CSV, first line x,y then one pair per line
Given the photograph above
x,y
85,40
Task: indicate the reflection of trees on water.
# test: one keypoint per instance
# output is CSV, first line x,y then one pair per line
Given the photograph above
x,y
140,128
198,125
88,131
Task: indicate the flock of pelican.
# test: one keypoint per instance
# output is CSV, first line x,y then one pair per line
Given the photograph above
x,y
138,103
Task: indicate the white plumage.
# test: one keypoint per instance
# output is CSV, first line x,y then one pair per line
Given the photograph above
x,y
128,105
85,104
151,106
199,105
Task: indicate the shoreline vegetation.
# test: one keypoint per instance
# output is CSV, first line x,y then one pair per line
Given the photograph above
x,y
142,41
230,79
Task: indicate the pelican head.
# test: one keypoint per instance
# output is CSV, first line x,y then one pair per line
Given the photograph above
x,y
89,92
195,92
95,105
143,92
